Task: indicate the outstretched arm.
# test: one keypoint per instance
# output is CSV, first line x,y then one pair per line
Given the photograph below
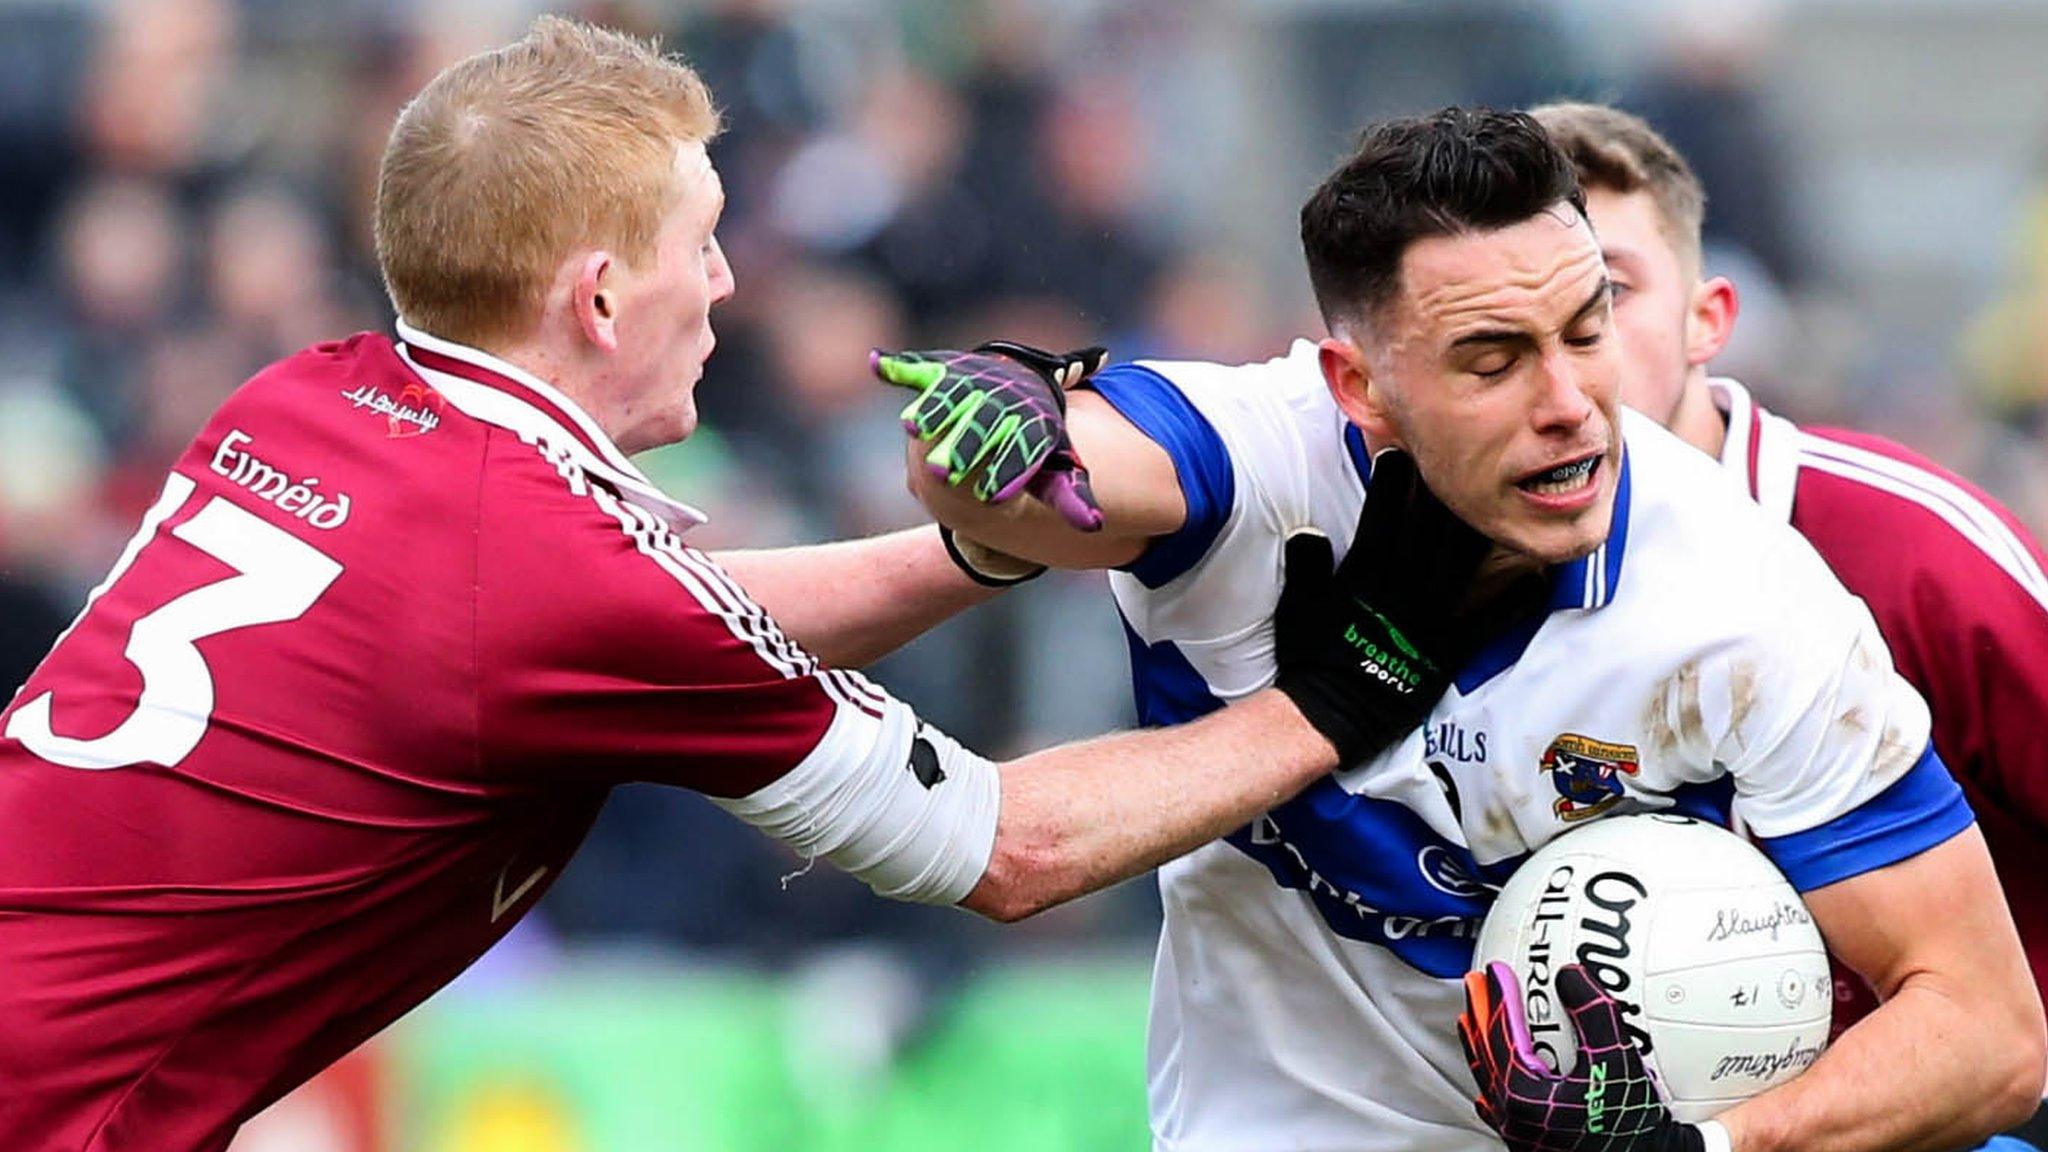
x,y
885,591
1169,790
907,809
1077,818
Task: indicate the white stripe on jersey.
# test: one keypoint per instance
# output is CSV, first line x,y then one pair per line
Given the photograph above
x,y
496,407
1961,511
743,613
649,529
720,595
610,452
746,620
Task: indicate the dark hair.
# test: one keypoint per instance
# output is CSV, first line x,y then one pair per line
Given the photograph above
x,y
1457,170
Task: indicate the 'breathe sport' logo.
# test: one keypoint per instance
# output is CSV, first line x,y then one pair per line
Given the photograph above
x,y
1390,657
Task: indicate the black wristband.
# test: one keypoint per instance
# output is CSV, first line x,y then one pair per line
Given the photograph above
x,y
983,578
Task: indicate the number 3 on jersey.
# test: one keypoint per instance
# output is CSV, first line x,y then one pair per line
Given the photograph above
x,y
278,577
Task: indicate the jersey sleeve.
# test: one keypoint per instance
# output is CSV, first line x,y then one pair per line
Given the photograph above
x,y
612,652
1990,706
1235,436
1969,625
1201,463
1827,744
657,668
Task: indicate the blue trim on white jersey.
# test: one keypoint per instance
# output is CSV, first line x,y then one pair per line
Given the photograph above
x,y
1497,655
1374,871
1208,480
1166,688
1921,809
1587,583
1361,460
1378,873
1713,801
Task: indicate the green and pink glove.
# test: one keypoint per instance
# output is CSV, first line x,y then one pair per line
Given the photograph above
x,y
998,415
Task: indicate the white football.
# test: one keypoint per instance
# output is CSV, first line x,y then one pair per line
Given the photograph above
x,y
1722,976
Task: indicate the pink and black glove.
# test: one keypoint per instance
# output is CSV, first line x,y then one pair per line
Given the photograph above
x,y
1608,1102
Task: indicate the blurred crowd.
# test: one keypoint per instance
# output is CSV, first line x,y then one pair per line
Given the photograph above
x,y
186,193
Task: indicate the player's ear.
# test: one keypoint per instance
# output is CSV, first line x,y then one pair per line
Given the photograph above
x,y
1710,320
594,298
1348,373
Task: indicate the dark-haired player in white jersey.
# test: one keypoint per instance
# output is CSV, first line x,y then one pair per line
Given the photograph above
x,y
1695,655
1954,580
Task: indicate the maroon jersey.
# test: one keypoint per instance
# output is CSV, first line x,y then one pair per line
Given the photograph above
x,y
339,715
1957,587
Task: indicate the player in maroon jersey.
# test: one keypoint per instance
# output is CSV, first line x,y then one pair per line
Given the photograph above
x,y
405,612
1954,580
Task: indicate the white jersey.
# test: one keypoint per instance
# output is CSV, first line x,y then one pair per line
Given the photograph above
x,y
1703,659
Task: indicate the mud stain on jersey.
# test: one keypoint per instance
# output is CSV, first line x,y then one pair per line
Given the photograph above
x,y
1895,754
1674,715
1742,698
1497,825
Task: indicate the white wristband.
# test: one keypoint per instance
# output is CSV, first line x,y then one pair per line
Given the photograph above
x,y
1715,1136
914,823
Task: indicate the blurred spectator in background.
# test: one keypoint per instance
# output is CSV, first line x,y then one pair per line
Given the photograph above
x,y
121,278
1208,304
2006,349
269,273
43,54
1707,89
890,191
770,86
1096,242
2005,362
160,93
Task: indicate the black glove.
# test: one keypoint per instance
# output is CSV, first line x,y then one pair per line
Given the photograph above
x,y
1367,650
1608,1102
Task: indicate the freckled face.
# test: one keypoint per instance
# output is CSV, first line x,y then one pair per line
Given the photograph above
x,y
1653,289
664,326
